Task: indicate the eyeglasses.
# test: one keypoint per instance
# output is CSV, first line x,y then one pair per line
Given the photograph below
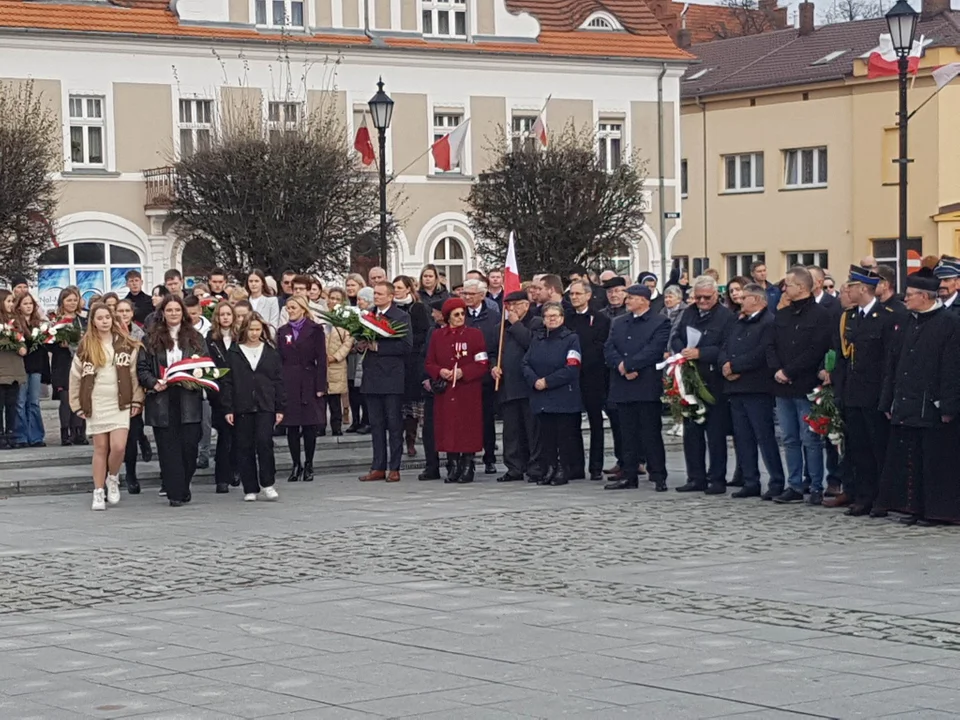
x,y
553,316
703,297
457,313
828,287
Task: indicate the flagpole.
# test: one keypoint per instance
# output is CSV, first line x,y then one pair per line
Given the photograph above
x,y
421,155
917,108
503,322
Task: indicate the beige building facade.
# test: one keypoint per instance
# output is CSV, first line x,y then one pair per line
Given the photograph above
x,y
131,100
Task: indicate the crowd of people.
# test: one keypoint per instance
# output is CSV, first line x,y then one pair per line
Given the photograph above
x,y
538,359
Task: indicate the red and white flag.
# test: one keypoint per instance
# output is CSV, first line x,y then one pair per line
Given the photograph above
x,y
882,62
511,271
446,150
945,74
363,145
539,129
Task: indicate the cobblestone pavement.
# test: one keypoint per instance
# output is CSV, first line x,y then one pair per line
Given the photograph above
x,y
485,601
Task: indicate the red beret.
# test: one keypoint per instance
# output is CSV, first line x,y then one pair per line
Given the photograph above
x,y
450,305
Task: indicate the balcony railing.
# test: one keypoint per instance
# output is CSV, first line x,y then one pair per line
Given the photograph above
x,y
159,188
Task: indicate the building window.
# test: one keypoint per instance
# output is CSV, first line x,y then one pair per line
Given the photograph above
x,y
281,117
621,261
521,133
94,267
905,258
443,124
683,178
820,258
743,173
280,13
445,18
196,126
610,138
450,260
806,167
739,263
87,131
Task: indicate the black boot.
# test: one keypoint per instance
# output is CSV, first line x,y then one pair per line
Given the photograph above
x,y
133,485
468,468
5,442
222,488
65,438
80,436
295,473
454,468
146,451
560,477
307,472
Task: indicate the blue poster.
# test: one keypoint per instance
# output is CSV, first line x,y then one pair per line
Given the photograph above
x,y
90,283
118,279
49,284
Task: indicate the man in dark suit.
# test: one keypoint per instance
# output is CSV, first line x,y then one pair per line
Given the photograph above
x,y
947,272
383,386
635,345
485,318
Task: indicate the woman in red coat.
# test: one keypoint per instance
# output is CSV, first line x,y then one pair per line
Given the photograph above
x,y
457,362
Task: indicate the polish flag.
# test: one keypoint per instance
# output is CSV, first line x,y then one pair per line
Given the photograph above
x,y
446,150
882,62
511,271
945,74
363,145
539,129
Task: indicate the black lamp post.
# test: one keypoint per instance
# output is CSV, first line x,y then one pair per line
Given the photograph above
x,y
902,23
381,108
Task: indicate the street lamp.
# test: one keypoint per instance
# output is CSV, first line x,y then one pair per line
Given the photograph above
x,y
902,23
381,108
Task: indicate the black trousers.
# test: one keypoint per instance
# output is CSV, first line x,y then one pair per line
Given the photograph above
x,y
309,435
754,437
557,445
177,446
867,433
521,437
641,425
384,416
8,409
226,460
254,438
69,420
359,414
614,416
592,399
489,418
133,446
335,406
432,457
707,439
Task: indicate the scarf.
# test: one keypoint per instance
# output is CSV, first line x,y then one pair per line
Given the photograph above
x,y
297,326
403,303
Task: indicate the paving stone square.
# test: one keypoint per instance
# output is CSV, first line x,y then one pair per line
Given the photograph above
x,y
425,600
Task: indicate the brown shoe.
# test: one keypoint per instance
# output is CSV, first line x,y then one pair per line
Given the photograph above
x,y
832,491
841,500
615,470
373,475
393,476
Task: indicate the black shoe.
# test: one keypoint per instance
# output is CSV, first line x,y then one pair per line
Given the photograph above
x,y
533,478
80,436
307,472
43,444
560,478
806,486
507,477
690,487
336,433
203,463
133,486
454,469
353,428
596,475
66,439
878,513
660,485
188,497
235,480
715,489
222,488
469,471
815,498
622,485
736,482
858,510
909,520
363,430
489,468
548,476
21,445
295,474
746,492
771,493
789,496
429,475
162,492
176,503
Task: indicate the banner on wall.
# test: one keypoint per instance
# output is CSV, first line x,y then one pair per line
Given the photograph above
x,y
49,284
118,279
90,283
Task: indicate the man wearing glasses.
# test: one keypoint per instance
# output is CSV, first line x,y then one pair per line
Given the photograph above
x,y
486,319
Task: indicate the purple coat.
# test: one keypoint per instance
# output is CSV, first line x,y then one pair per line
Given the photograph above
x,y
304,374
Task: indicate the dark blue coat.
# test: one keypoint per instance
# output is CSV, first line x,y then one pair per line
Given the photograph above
x,y
749,350
516,341
639,343
384,370
555,357
487,322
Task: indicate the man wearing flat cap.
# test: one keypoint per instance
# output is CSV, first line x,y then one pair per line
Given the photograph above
x,y
921,397
616,290
947,272
867,334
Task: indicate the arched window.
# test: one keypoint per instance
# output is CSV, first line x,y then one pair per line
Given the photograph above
x,y
601,21
95,267
450,259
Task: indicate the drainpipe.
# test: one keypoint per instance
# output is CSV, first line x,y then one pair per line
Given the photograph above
x,y
660,153
703,120
366,20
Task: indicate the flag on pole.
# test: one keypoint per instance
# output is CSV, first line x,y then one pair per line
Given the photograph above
x,y
446,150
539,129
363,145
945,74
511,271
882,62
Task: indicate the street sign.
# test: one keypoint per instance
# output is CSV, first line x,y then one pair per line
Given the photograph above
x,y
671,215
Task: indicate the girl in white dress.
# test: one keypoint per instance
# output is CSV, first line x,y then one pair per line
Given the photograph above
x,y
105,392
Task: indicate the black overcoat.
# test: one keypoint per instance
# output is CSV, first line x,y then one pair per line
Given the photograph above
x,y
384,369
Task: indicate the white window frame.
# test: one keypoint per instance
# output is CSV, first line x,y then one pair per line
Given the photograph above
x,y
87,122
741,184
283,125
193,126
439,130
288,7
743,262
608,131
452,10
796,156
521,130
820,258
444,264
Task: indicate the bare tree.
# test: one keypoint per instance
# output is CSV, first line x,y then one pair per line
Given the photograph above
x,y
745,18
563,204
850,10
30,151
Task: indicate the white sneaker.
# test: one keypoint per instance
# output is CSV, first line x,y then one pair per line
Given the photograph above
x,y
270,493
250,497
98,501
113,489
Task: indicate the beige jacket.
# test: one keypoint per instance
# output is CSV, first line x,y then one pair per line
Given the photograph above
x,y
339,342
